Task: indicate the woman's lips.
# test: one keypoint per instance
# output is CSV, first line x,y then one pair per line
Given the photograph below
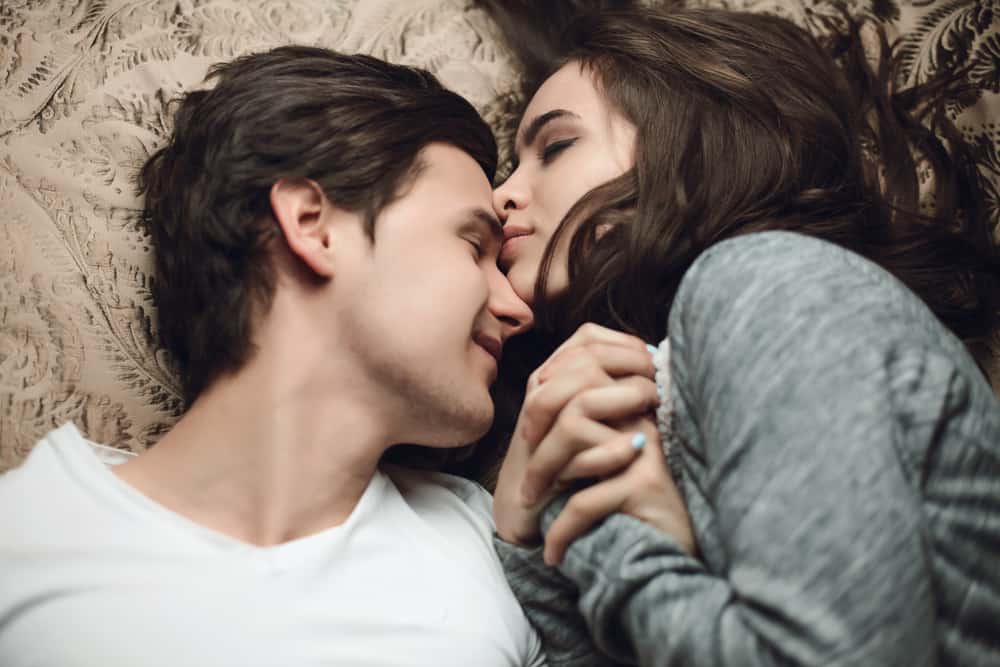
x,y
509,250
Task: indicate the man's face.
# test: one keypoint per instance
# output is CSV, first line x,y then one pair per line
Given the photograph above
x,y
426,309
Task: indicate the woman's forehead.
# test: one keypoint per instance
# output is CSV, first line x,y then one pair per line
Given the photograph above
x,y
571,88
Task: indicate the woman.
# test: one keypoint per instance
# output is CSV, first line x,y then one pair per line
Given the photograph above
x,y
838,450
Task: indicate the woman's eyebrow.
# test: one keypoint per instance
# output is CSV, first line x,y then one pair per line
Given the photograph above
x,y
535,126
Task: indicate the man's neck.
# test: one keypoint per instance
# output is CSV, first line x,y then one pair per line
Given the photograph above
x,y
262,462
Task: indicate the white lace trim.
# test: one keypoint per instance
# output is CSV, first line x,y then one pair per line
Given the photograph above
x,y
665,411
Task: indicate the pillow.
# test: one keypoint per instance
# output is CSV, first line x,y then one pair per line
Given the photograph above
x,y
85,87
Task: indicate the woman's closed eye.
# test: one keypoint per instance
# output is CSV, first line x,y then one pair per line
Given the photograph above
x,y
552,150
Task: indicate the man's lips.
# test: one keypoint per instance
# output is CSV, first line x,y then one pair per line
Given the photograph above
x,y
491,345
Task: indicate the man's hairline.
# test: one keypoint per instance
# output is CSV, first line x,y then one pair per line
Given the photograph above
x,y
409,179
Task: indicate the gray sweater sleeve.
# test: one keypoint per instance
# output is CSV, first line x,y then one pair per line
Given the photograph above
x,y
808,387
550,601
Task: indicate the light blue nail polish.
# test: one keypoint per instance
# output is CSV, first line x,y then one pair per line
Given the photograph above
x,y
638,441
652,348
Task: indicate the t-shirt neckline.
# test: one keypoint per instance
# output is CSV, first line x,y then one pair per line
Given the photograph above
x,y
91,466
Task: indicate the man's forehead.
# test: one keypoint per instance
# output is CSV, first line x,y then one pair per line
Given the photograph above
x,y
446,166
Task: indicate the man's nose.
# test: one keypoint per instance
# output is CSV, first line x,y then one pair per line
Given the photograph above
x,y
514,314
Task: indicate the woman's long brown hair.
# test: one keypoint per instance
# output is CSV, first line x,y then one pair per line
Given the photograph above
x,y
746,122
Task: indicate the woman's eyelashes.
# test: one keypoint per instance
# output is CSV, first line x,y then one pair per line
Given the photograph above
x,y
550,151
546,154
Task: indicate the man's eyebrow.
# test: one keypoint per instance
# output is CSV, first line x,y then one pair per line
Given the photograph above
x,y
481,217
536,125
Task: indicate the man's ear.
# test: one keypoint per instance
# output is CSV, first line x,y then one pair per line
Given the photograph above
x,y
305,215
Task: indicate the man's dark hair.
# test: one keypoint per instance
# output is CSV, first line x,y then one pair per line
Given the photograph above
x,y
352,123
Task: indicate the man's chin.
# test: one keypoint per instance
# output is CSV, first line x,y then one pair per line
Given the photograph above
x,y
462,429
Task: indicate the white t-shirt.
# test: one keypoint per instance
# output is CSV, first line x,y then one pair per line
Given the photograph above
x,y
93,573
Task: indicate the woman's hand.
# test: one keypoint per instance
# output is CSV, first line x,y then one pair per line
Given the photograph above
x,y
597,377
645,490
586,416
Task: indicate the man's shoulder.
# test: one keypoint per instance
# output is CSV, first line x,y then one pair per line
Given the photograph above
x,y
43,486
41,460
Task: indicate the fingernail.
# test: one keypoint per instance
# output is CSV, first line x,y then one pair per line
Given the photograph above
x,y
638,441
652,349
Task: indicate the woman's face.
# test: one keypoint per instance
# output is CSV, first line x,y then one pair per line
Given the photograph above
x,y
569,142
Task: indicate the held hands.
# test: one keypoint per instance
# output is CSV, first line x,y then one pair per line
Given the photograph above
x,y
586,416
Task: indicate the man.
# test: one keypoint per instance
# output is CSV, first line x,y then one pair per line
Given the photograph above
x,y
327,283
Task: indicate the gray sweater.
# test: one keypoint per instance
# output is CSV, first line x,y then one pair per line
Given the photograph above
x,y
839,453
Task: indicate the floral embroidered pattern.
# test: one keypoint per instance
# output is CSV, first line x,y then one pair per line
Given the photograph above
x,y
84,92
